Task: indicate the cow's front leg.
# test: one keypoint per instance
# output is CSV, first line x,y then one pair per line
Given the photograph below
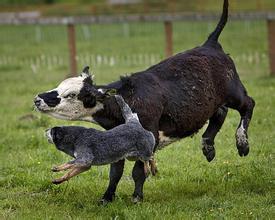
x,y
215,124
139,177
116,172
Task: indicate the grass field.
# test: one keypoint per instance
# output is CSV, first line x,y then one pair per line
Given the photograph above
x,y
187,186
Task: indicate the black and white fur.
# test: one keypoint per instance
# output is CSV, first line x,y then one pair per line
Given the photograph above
x,y
91,147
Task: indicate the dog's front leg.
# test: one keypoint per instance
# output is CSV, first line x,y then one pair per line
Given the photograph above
x,y
75,170
64,166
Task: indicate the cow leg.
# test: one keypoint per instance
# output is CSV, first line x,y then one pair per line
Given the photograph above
x,y
240,101
245,108
139,177
116,172
215,124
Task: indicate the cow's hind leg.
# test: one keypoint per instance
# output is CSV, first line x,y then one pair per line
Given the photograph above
x,y
244,104
246,111
215,124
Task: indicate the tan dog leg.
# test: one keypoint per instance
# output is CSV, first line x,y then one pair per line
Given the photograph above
x,y
146,168
64,166
153,166
75,170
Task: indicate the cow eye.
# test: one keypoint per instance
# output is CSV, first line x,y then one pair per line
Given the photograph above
x,y
71,95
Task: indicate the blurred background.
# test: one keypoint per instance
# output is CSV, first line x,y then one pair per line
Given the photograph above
x,y
126,34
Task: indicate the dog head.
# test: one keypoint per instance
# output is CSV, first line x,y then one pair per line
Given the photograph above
x,y
62,138
75,98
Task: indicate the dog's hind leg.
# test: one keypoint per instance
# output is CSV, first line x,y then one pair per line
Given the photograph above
x,y
215,124
116,172
139,177
153,165
146,168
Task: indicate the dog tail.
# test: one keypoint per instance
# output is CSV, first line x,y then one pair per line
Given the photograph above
x,y
126,111
214,36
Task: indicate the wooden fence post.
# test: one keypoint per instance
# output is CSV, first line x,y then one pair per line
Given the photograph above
x,y
72,49
168,38
271,45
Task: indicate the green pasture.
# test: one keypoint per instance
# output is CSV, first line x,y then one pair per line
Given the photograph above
x,y
187,186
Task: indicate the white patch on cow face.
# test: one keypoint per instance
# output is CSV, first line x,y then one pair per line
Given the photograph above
x,y
70,107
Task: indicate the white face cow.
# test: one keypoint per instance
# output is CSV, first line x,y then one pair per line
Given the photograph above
x,y
75,98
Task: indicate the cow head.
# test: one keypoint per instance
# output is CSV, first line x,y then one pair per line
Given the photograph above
x,y
75,98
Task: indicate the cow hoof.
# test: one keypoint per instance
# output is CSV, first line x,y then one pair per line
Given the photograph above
x,y
103,202
209,152
137,199
210,155
243,150
242,142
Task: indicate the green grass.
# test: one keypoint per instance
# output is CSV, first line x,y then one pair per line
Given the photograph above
x,y
187,186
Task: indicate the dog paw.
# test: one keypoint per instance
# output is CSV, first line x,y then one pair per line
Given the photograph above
x,y
57,181
55,169
153,167
137,199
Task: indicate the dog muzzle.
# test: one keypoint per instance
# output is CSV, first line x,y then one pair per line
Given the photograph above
x,y
49,136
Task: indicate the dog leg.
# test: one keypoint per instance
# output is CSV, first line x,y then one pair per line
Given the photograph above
x,y
153,166
62,167
75,170
146,168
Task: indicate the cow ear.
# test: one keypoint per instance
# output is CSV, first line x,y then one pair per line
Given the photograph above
x,y
86,73
105,93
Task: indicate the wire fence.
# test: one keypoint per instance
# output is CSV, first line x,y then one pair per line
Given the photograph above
x,y
125,44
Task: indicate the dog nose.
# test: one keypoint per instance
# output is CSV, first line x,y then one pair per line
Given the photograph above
x,y
37,101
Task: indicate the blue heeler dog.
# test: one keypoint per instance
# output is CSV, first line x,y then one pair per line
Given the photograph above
x,y
91,147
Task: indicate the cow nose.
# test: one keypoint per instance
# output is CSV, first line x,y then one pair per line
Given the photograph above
x,y
37,101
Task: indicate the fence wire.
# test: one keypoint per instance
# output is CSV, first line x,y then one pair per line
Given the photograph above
x,y
126,44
